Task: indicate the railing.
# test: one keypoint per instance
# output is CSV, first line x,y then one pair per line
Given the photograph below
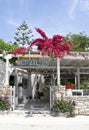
x,y
76,92
85,92
80,92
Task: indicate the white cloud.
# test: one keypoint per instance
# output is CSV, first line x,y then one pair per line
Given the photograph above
x,y
84,5
13,22
72,9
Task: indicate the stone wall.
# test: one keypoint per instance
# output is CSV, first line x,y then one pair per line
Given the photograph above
x,y
81,101
81,104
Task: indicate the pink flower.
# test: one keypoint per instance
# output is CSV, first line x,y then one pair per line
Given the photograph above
x,y
55,46
40,47
19,50
58,45
36,42
41,33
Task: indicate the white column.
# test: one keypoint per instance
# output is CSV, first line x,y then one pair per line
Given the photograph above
x,y
7,72
29,83
16,88
50,97
78,77
33,86
58,71
75,80
29,80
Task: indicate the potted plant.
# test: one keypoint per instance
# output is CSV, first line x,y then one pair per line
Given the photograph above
x,y
64,107
20,84
69,88
20,100
20,87
4,104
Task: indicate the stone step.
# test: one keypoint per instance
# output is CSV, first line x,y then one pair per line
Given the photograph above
x,y
38,112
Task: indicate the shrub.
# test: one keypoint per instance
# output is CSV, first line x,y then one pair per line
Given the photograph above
x,y
4,104
63,106
83,87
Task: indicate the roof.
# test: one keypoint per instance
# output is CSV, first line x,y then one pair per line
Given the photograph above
x,y
67,63
76,59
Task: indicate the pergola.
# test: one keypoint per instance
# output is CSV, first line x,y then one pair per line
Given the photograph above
x,y
76,62
35,62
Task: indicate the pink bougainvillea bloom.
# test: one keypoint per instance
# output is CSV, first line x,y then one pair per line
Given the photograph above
x,y
56,46
41,33
37,42
19,50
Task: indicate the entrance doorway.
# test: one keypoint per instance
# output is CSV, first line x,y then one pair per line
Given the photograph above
x,y
40,90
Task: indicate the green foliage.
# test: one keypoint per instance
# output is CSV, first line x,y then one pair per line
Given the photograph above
x,y
83,87
13,47
64,106
4,104
7,46
22,36
13,60
81,42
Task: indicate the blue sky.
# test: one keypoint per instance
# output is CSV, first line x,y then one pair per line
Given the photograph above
x,y
52,16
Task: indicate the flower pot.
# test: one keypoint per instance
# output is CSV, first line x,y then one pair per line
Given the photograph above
x,y
20,92
69,92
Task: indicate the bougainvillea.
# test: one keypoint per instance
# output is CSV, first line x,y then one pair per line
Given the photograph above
x,y
56,46
19,50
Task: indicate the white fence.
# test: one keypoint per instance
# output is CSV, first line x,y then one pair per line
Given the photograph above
x,y
2,72
12,97
77,92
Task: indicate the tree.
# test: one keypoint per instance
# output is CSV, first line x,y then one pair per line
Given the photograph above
x,y
22,36
81,42
7,46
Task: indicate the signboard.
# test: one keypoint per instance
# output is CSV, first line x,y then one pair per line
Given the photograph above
x,y
36,62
